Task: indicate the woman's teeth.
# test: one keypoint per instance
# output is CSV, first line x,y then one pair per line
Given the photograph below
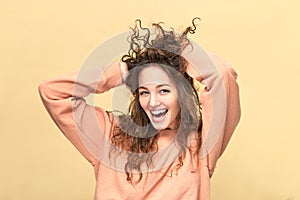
x,y
158,113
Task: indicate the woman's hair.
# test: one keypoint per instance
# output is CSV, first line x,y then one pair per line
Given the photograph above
x,y
134,132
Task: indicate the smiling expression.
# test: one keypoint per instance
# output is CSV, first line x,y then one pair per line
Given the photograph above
x,y
158,97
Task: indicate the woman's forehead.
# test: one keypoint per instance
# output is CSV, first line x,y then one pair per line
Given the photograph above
x,y
154,75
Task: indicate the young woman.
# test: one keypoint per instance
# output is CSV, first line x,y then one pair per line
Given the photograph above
x,y
168,144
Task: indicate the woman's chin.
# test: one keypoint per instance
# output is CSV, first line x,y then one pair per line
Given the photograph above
x,y
159,126
163,125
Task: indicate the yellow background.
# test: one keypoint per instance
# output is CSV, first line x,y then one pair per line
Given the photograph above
x,y
42,39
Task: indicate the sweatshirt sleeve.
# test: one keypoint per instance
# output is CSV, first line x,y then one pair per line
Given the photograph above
x,y
219,100
86,127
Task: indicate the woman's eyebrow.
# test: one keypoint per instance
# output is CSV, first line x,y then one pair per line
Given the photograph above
x,y
158,86
161,85
142,87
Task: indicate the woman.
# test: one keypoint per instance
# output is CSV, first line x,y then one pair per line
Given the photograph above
x,y
167,146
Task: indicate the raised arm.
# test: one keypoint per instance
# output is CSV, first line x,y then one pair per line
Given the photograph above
x,y
84,125
219,99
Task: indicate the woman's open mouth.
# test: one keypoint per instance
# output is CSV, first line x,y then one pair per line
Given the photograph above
x,y
158,115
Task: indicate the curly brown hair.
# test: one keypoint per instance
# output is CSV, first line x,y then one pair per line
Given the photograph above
x,y
134,132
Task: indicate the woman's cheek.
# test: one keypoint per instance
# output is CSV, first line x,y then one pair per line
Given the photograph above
x,y
143,103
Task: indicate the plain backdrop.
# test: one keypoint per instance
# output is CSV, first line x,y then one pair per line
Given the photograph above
x,y
43,39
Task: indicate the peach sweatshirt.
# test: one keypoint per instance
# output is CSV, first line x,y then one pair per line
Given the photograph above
x,y
89,128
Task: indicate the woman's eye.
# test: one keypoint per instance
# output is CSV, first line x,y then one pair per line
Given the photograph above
x,y
164,91
143,93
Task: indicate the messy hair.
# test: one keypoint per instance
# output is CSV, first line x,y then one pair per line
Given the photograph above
x,y
134,132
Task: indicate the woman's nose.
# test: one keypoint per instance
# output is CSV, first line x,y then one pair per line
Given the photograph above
x,y
154,100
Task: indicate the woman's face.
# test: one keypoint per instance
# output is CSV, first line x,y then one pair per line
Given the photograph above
x,y
158,97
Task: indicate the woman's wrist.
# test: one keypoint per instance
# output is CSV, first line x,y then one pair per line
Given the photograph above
x,y
124,70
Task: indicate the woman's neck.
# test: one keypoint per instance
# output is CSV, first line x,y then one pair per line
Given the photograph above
x,y
165,137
